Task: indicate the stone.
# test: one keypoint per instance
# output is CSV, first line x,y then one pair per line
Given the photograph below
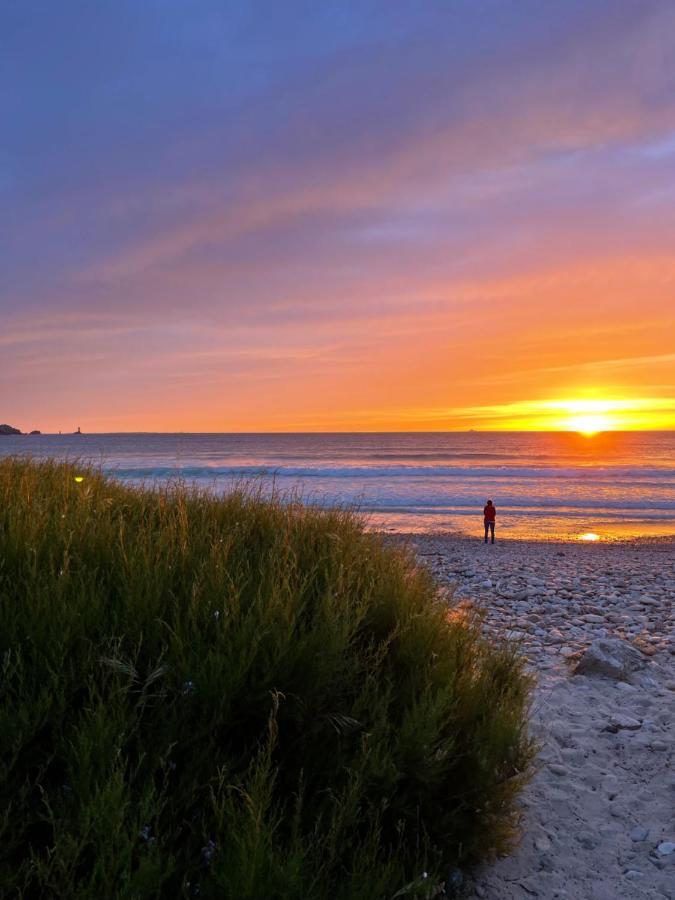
x,y
588,840
558,769
455,879
665,848
611,658
639,833
618,721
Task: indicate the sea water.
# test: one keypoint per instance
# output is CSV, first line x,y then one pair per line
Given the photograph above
x,y
551,485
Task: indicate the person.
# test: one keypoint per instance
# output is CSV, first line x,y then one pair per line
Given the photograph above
x,y
489,515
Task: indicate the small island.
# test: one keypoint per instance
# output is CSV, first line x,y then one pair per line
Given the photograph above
x,y
9,429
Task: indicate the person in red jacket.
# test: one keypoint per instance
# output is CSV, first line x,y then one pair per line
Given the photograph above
x,y
489,515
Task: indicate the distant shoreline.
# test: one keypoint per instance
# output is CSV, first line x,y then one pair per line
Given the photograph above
x,y
463,539
280,433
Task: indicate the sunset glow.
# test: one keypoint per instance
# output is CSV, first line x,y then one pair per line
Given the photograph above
x,y
585,416
590,425
302,221
591,416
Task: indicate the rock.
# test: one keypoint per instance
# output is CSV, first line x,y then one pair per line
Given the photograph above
x,y
7,429
618,721
665,848
639,833
35,432
558,769
588,840
455,879
612,658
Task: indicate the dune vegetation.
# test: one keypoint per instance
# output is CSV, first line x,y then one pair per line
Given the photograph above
x,y
240,698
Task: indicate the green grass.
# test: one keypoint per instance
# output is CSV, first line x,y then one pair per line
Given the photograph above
x,y
236,698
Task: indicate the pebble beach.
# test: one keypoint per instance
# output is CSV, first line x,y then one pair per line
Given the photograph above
x,y
598,817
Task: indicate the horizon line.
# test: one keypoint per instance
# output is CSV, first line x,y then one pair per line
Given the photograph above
x,y
363,431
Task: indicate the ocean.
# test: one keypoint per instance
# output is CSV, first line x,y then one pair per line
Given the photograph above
x,y
549,485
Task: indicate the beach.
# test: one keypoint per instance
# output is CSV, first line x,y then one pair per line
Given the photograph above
x,y
554,486
598,817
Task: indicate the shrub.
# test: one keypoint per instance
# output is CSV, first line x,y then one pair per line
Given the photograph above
x,y
238,698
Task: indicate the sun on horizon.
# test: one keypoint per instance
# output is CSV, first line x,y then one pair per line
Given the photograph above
x,y
589,417
585,415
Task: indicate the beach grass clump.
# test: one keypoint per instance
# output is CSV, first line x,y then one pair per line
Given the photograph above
x,y
238,697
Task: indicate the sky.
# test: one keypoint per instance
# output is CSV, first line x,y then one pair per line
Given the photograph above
x,y
302,216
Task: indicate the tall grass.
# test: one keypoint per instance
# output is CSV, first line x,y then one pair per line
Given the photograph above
x,y
236,698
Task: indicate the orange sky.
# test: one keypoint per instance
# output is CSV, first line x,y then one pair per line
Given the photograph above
x,y
437,221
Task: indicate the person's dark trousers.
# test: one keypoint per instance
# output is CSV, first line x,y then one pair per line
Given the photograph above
x,y
491,527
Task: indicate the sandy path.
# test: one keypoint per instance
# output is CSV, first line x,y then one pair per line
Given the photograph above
x,y
599,814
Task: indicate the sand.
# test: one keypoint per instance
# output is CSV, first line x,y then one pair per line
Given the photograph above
x,y
598,818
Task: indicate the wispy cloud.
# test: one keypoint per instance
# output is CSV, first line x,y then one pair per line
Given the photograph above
x,y
426,207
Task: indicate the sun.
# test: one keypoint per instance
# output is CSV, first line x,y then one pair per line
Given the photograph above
x,y
590,424
589,416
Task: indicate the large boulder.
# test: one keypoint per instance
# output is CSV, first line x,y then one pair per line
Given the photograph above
x,y
7,429
612,658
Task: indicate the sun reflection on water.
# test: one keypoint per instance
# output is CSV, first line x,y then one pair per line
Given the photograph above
x,y
589,536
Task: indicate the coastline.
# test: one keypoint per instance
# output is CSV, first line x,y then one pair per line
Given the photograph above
x,y
547,486
597,816
465,537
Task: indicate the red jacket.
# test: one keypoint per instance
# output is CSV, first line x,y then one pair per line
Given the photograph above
x,y
489,513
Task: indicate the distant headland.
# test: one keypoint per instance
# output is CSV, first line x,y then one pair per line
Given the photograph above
x,y
9,429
